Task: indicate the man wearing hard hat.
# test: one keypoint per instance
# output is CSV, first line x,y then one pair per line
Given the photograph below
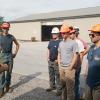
x,y
6,43
67,57
74,36
52,62
93,70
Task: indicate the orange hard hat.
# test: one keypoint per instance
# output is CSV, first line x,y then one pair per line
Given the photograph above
x,y
95,28
5,25
72,31
65,28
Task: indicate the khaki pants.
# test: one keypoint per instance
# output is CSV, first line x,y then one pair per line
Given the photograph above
x,y
67,77
92,94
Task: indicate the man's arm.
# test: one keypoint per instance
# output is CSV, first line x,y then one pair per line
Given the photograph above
x,y
86,70
74,60
59,58
17,47
48,54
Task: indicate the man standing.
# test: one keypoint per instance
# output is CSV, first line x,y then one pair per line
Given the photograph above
x,y
93,72
74,36
67,57
6,43
53,63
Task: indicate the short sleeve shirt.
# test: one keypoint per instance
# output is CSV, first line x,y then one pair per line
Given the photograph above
x,y
53,48
67,49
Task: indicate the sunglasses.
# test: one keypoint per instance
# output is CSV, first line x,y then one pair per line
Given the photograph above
x,y
92,35
72,33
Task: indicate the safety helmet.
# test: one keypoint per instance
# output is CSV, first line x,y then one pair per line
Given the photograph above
x,y
76,28
72,31
65,28
5,25
95,28
55,30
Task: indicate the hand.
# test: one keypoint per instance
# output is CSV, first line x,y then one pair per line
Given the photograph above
x,y
48,59
56,61
85,76
71,68
13,55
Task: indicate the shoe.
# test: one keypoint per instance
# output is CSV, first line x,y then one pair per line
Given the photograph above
x,y
82,99
9,89
58,93
50,89
1,93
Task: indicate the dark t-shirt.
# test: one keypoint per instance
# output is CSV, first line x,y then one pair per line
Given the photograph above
x,y
53,48
6,43
93,78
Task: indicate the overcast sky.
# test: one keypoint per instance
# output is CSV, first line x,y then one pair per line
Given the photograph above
x,y
12,9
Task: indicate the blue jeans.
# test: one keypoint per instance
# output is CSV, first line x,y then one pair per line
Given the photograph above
x,y
2,81
9,72
77,82
5,77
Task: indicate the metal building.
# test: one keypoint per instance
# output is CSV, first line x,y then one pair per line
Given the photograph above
x,y
40,25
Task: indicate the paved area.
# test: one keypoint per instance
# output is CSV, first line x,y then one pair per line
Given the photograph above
x,y
30,73
29,88
31,59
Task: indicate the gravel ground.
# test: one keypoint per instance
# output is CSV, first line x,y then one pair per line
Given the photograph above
x,y
29,88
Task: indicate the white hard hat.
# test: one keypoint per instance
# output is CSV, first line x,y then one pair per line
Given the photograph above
x,y
76,28
55,30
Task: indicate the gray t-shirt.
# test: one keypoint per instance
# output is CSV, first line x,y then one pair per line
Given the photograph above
x,y
67,49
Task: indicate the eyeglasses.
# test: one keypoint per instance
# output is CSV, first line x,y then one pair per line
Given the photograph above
x,y
72,33
92,35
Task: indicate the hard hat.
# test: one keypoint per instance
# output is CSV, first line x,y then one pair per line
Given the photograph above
x,y
65,28
95,28
55,30
76,28
72,31
5,25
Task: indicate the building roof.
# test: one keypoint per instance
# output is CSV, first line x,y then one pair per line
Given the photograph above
x,y
61,15
0,17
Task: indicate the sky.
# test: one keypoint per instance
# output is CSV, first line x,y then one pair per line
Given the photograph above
x,y
13,9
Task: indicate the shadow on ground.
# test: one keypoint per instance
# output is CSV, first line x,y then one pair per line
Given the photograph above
x,y
25,79
38,94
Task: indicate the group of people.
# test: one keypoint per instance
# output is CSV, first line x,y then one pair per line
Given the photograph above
x,y
6,57
65,57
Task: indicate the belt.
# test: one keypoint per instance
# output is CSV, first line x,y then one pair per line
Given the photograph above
x,y
97,87
4,52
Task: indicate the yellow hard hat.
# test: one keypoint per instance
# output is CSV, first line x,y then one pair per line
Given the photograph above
x,y
95,28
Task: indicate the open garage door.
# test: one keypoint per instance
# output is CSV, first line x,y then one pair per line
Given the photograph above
x,y
46,31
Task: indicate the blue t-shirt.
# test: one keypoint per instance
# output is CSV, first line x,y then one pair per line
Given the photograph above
x,y
93,78
53,48
6,43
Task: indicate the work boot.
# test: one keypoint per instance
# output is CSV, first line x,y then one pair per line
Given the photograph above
x,y
50,89
58,93
9,89
1,93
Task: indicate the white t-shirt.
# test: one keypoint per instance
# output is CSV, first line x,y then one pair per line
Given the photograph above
x,y
80,45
